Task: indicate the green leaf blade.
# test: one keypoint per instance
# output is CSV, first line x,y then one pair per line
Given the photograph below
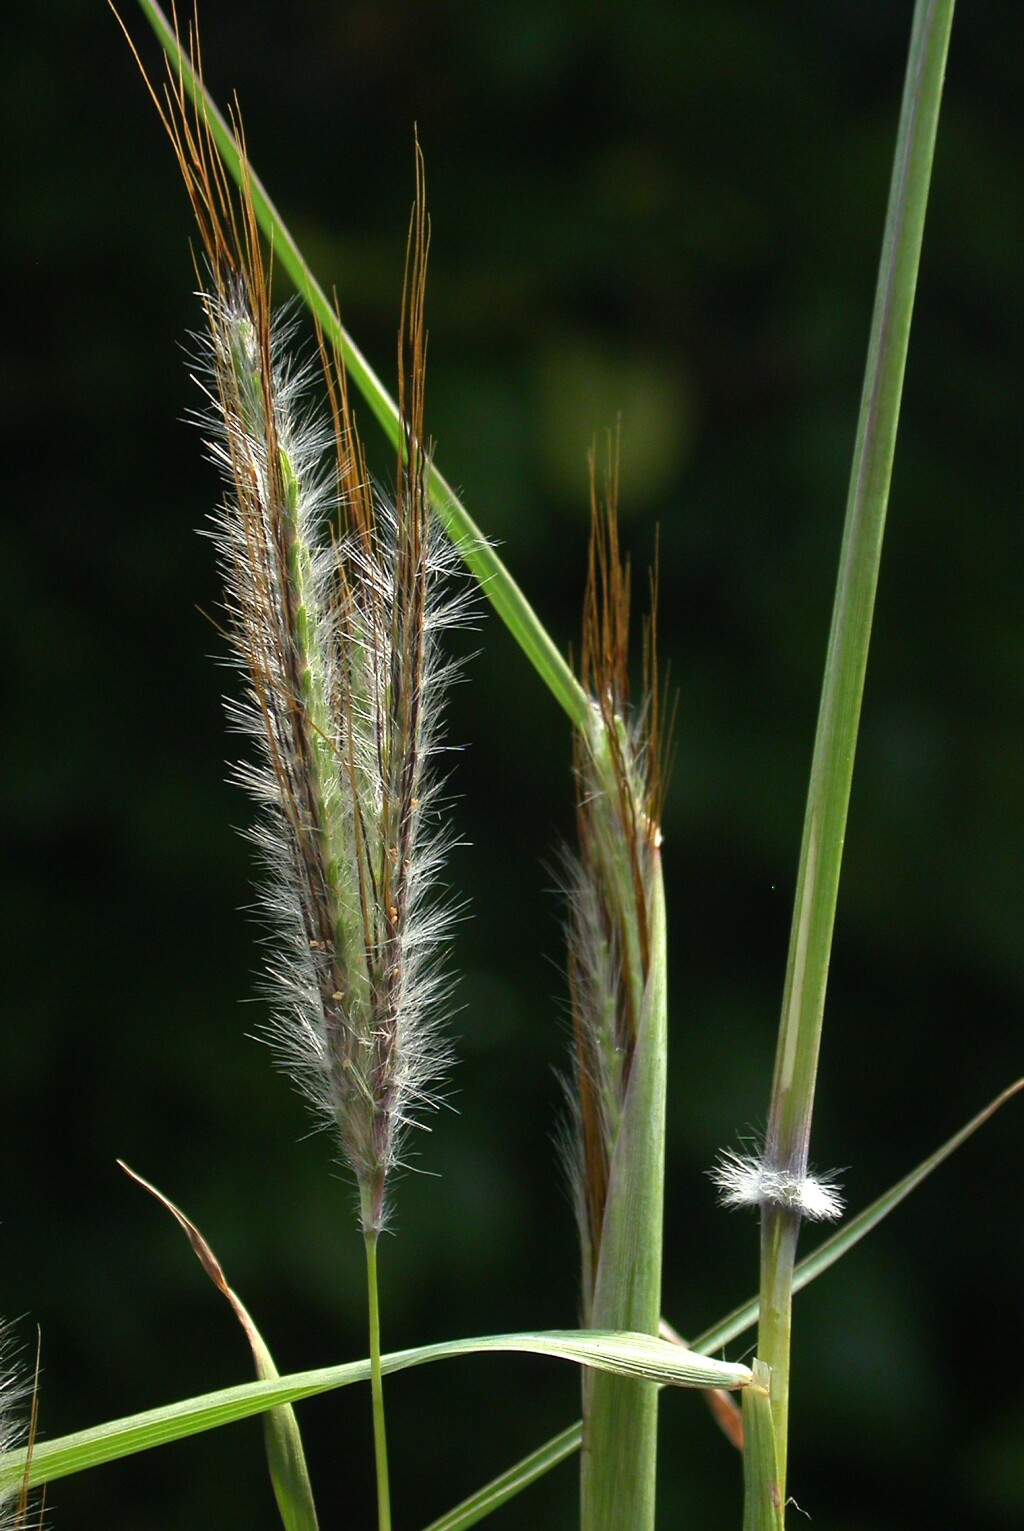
x,y
639,1356
494,578
508,1484
286,1459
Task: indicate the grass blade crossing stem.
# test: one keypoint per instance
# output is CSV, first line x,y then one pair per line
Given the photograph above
x,y
495,580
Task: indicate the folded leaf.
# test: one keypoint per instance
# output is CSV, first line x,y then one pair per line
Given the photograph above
x,y
285,1456
631,1355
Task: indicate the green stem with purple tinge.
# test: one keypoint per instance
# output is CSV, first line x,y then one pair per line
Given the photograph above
x,y
792,1100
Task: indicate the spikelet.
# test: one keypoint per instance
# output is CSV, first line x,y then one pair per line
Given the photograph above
x,y
336,637
619,779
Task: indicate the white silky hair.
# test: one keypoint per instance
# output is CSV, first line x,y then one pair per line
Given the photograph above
x,y
743,1180
15,1393
353,626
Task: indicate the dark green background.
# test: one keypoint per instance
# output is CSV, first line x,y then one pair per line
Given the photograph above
x,y
668,210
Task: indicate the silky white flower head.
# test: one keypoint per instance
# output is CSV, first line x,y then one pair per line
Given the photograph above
x,y
743,1180
334,603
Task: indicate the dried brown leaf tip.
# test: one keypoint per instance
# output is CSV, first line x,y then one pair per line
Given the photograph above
x,y
619,775
335,599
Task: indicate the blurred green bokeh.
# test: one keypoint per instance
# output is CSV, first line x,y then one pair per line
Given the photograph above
x,y
669,213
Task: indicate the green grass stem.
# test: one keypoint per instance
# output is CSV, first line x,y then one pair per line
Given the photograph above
x,y
494,578
619,1469
761,1512
792,1100
380,1440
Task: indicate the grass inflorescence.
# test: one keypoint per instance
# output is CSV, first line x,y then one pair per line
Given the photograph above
x,y
335,598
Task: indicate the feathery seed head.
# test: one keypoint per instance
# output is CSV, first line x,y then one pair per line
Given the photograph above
x,y
336,636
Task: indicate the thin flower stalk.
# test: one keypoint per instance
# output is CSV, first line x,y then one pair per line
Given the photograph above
x,y
617,983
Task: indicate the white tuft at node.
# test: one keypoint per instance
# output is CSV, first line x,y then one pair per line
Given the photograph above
x,y
744,1181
